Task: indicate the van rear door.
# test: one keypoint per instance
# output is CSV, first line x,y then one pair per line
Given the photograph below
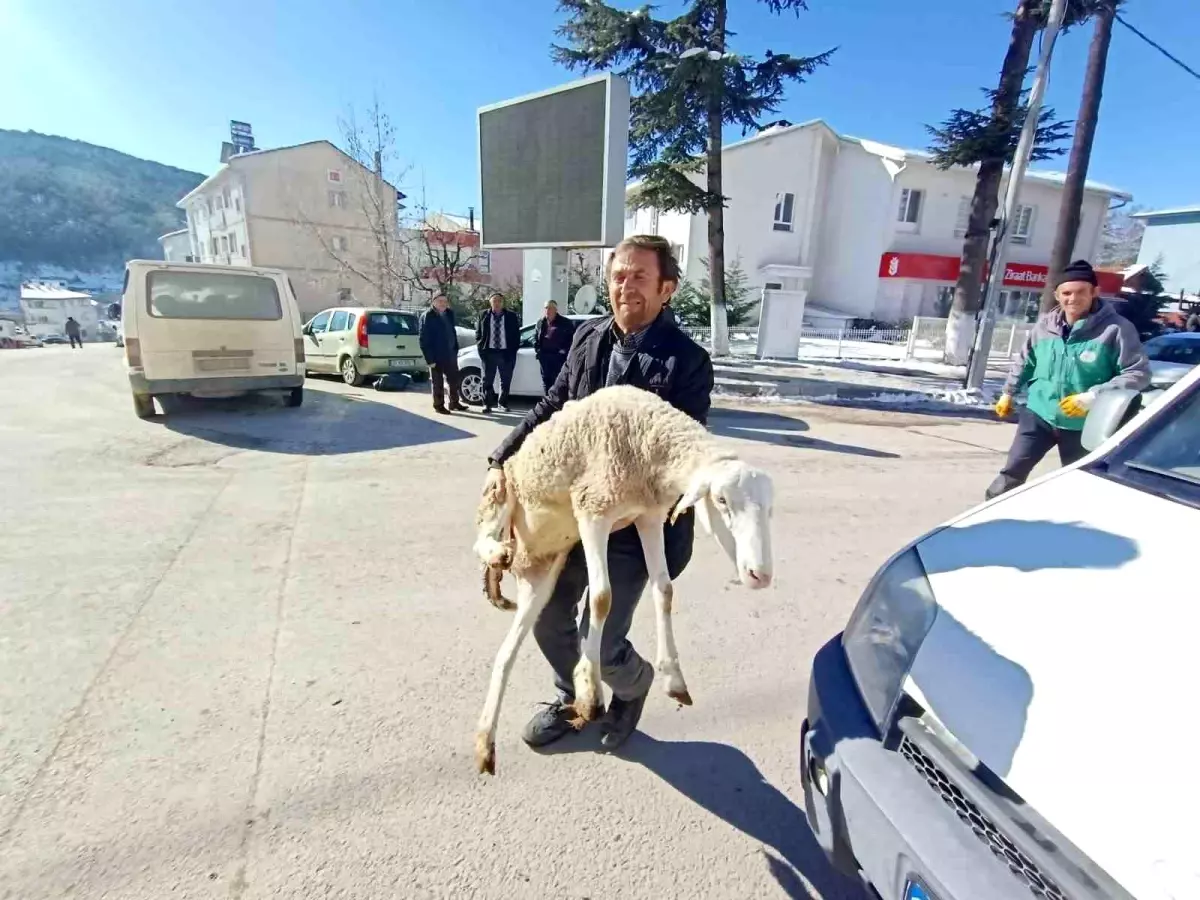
x,y
213,323
392,334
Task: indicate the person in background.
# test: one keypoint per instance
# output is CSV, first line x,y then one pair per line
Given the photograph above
x,y
1073,352
74,333
1193,322
498,337
637,345
439,344
551,340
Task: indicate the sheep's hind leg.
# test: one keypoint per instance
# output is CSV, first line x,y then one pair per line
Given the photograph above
x,y
650,531
589,695
533,592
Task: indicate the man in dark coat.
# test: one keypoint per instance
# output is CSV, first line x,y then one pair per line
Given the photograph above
x,y
439,344
637,345
551,340
74,333
498,337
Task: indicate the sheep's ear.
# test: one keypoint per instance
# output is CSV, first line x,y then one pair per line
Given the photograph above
x,y
695,492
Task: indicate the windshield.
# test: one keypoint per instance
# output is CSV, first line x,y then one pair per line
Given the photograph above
x,y
211,295
1174,350
392,323
1165,459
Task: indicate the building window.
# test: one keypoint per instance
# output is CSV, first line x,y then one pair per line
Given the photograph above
x,y
784,204
484,262
209,205
338,199
214,247
224,244
910,206
339,242
963,217
334,176
244,250
774,285
1022,224
237,202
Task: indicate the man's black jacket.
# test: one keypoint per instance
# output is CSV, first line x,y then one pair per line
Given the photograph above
x,y
667,363
512,331
439,339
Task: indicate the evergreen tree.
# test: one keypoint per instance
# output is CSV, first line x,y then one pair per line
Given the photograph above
x,y
693,304
688,85
988,147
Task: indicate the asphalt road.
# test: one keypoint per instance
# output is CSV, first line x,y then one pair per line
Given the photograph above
x,y
243,649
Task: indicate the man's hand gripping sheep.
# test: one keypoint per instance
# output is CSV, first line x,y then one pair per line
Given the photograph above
x,y
619,456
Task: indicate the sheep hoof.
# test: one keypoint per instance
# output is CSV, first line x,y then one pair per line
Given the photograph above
x,y
584,714
683,698
485,755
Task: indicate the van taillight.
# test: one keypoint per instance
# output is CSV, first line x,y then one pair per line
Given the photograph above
x,y
299,350
362,330
133,353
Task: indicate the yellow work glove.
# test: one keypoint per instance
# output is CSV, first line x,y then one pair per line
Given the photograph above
x,y
1004,406
1076,405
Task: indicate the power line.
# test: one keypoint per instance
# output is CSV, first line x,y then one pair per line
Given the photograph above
x,y
1162,50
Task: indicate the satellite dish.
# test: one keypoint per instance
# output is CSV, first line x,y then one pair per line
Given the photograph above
x,y
585,299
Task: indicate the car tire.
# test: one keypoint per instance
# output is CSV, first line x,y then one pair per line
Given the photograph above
x,y
295,397
350,373
143,406
470,386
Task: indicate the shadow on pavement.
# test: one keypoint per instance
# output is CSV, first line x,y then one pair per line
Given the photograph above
x,y
326,425
767,428
727,783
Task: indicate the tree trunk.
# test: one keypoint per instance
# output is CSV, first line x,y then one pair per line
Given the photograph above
x,y
1081,150
960,329
716,213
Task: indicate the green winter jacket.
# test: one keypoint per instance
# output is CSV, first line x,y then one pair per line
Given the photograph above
x,y
1099,352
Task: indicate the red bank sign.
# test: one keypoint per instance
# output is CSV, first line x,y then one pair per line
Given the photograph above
x,y
945,268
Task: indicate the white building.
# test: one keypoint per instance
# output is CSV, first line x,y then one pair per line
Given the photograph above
x,y
1172,240
46,306
309,209
865,229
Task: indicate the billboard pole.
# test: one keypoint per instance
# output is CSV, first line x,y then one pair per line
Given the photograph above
x,y
977,368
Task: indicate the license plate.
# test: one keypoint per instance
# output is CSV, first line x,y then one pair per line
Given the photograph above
x,y
223,364
403,363
915,891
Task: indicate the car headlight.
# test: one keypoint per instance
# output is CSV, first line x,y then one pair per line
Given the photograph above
x,y
885,631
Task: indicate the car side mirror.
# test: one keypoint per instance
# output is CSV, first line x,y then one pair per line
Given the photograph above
x,y
1109,413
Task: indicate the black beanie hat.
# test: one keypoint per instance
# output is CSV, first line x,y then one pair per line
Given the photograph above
x,y
1080,270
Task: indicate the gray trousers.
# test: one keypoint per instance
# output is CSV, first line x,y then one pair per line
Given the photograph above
x,y
558,635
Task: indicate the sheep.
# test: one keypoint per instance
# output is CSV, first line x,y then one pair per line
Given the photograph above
x,y
619,456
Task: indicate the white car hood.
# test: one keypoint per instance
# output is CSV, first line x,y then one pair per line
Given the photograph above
x,y
1064,656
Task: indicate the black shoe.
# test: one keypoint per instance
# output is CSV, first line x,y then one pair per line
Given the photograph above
x,y
620,721
487,410
504,407
458,407
548,724
441,410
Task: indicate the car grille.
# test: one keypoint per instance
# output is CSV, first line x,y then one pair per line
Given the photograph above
x,y
985,829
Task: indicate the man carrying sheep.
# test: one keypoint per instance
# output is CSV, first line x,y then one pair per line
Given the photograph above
x,y
637,345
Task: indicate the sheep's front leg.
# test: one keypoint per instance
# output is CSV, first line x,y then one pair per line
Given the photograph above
x,y
589,695
533,592
650,531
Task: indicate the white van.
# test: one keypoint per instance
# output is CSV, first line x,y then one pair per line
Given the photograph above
x,y
209,331
1011,711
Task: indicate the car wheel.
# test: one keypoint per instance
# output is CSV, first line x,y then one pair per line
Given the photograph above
x,y
470,386
350,373
295,397
143,405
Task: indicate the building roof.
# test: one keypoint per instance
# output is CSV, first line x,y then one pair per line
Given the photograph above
x,y
39,290
900,154
172,234
226,167
1175,211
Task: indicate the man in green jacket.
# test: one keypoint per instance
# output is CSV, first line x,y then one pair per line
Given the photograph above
x,y
1073,352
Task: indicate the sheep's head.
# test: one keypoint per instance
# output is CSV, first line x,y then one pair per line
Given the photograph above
x,y
733,502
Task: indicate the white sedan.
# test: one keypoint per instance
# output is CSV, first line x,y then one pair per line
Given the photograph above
x,y
527,375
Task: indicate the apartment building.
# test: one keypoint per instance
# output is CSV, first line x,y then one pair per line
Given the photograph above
x,y
46,306
308,209
864,229
1172,241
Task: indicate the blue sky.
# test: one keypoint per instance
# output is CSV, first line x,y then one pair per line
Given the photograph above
x,y
161,79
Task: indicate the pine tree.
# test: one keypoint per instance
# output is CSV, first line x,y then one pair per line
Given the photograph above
x,y
693,304
1071,207
1004,119
688,86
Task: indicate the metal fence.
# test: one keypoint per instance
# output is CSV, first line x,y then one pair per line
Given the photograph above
x,y
924,340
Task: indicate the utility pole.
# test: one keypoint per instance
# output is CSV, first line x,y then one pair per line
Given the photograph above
x,y
977,366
